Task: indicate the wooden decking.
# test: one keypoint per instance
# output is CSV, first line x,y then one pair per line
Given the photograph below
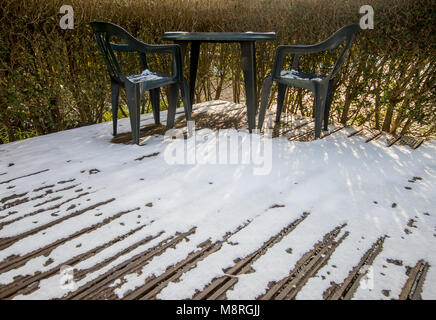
x,y
53,198
224,115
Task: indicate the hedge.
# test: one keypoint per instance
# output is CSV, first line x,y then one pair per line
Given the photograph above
x,y
53,79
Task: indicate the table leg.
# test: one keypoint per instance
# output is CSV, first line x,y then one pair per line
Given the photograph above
x,y
195,52
249,67
183,47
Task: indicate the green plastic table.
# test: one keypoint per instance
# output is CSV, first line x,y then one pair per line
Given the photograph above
x,y
248,50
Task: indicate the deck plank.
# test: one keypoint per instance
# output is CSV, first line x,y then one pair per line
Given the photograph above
x,y
58,199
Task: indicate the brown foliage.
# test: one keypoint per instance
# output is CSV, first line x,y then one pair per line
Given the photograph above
x,y
53,79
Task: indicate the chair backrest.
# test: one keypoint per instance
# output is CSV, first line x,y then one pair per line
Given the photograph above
x,y
103,31
344,35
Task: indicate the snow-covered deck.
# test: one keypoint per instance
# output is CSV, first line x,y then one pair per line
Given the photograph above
x,y
349,216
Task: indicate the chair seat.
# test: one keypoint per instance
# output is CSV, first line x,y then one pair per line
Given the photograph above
x,y
298,75
151,77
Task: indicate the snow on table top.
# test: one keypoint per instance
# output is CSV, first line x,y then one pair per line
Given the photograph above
x,y
337,180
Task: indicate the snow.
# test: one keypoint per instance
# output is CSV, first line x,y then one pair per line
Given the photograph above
x,y
294,74
145,75
337,180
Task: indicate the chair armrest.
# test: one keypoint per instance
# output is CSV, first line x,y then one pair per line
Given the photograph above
x,y
143,48
344,34
103,31
122,47
302,48
127,48
173,49
297,50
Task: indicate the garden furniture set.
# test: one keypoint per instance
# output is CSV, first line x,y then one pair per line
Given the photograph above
x,y
135,85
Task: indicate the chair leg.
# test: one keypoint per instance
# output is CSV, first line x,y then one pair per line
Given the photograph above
x,y
186,100
328,103
115,91
320,98
266,90
172,105
280,99
155,104
134,104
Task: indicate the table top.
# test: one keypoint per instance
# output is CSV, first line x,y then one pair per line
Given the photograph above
x,y
218,36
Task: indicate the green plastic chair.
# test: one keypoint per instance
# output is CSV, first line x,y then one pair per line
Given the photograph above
x,y
322,87
135,85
